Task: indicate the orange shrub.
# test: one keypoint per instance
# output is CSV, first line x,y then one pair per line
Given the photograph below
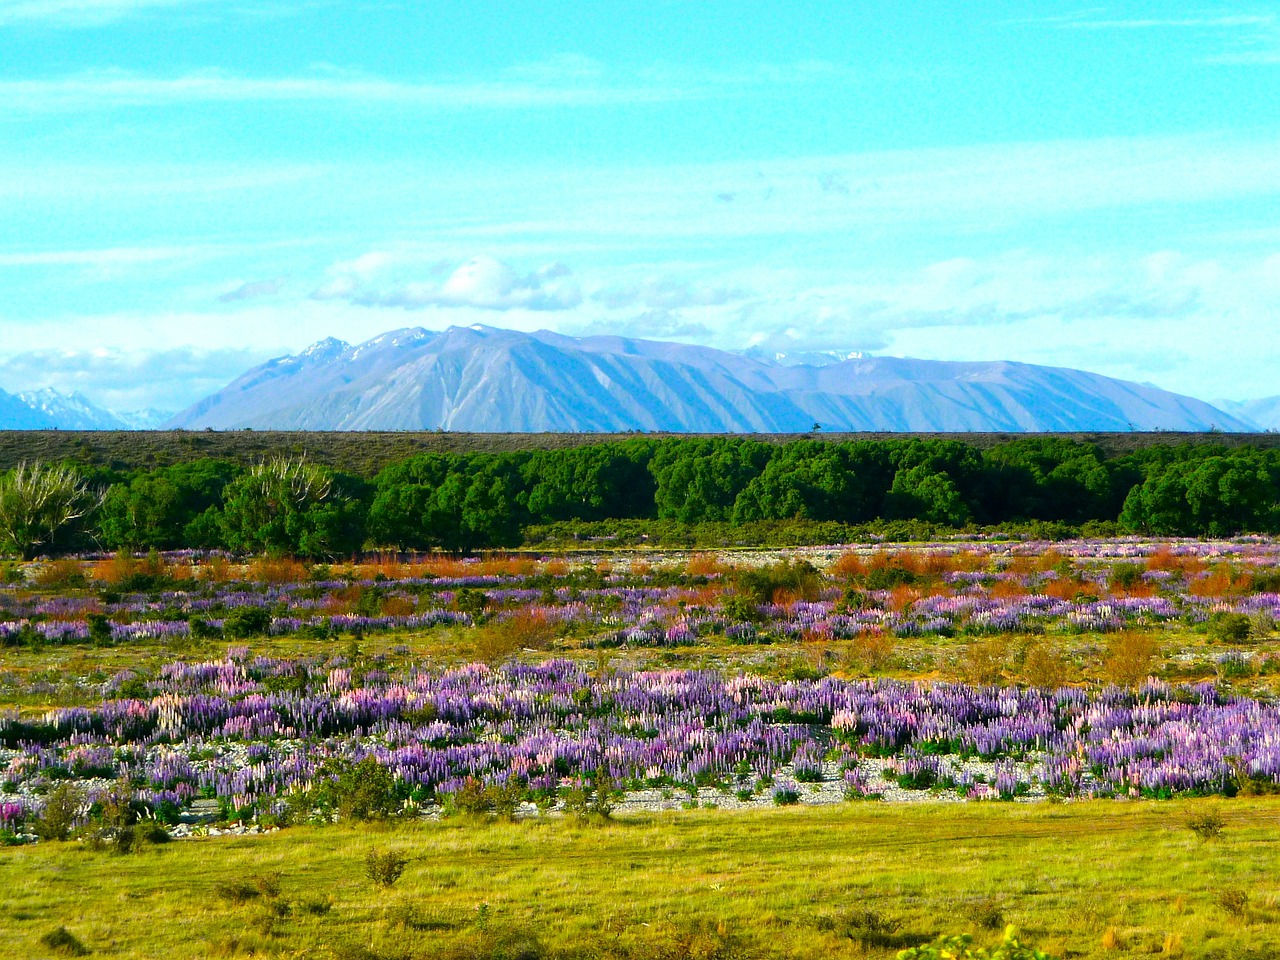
x,y
1066,588
847,566
59,573
277,570
901,598
1006,589
1221,581
217,569
705,565
398,607
873,650
1130,657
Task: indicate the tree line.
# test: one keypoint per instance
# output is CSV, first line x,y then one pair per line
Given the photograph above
x,y
464,502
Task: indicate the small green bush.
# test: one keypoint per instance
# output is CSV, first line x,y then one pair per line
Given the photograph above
x,y
1229,627
1207,824
1235,902
245,622
384,867
361,791
987,913
61,809
61,940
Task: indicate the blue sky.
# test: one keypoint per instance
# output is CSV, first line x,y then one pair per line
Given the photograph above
x,y
190,186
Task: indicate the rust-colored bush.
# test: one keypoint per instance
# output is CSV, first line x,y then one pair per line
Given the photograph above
x,y
277,570
847,566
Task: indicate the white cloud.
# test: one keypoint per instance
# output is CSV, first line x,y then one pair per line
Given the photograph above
x,y
1225,22
106,257
667,293
120,89
483,283
252,290
126,380
83,14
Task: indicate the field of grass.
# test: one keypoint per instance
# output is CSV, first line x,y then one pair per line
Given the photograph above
x,y
1081,880
367,452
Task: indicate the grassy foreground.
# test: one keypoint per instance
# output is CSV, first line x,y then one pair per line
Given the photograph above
x,y
1089,879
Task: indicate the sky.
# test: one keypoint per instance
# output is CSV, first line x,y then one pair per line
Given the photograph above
x,y
188,187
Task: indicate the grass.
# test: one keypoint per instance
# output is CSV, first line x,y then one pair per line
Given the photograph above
x,y
1074,878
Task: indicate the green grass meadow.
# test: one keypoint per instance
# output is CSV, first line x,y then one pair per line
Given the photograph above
x,y
1078,880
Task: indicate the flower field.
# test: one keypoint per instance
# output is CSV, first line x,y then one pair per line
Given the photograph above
x,y
974,588
253,731
267,735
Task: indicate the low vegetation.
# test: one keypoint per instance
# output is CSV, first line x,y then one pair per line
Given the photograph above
x,y
858,880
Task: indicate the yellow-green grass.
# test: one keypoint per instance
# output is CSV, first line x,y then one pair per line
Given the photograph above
x,y
1087,879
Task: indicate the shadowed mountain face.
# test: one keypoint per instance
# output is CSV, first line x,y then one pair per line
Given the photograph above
x,y
488,380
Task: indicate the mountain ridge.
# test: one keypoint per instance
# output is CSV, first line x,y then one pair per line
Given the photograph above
x,y
493,380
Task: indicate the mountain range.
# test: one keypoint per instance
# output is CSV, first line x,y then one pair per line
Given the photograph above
x,y
491,380
48,409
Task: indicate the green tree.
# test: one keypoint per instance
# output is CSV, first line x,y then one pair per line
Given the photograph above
x,y
920,493
167,508
700,480
290,506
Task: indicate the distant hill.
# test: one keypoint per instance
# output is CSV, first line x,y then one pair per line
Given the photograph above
x,y
489,380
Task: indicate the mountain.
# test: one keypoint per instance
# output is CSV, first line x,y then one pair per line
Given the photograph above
x,y
48,409
16,414
1263,414
71,411
489,380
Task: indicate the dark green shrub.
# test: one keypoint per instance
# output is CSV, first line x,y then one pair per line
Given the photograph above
x,y
742,609
99,630
61,940
1207,824
890,576
471,601
1229,627
591,799
238,890
359,791
202,629
384,867
786,795
61,809
987,913
796,577
245,622
1125,576
865,926
1235,902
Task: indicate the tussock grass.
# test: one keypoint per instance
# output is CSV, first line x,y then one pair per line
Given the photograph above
x,y
1076,878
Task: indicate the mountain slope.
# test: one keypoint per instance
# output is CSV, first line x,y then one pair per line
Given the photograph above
x,y
489,380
